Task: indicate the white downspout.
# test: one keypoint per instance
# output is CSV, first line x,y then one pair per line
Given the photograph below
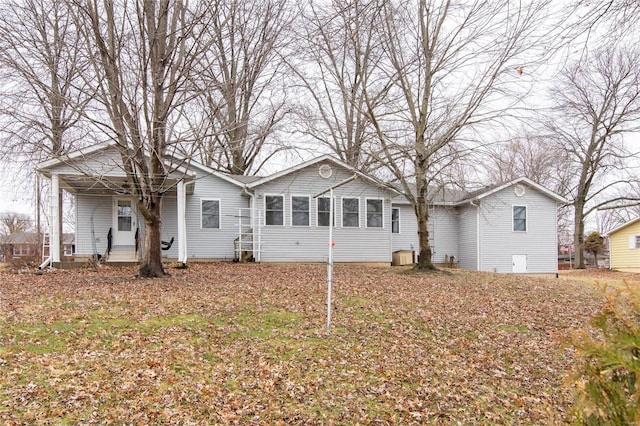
x,y
182,222
256,232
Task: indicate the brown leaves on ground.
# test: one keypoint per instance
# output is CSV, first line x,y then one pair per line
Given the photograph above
x,y
247,344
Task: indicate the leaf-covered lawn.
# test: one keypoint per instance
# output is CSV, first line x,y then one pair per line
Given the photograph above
x,y
247,344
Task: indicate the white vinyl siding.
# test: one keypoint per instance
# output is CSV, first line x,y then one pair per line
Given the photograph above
x,y
309,244
300,210
210,214
350,212
499,242
375,216
274,210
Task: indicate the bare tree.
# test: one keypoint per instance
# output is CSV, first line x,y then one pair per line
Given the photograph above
x,y
242,95
42,99
144,56
12,223
597,101
536,157
446,64
43,96
339,51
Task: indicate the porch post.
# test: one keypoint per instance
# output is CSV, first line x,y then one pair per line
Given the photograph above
x,y
54,228
182,228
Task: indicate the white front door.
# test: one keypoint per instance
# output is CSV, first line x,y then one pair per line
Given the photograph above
x,y
519,263
124,222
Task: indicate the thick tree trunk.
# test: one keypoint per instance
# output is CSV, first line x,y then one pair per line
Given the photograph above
x,y
578,235
151,264
422,214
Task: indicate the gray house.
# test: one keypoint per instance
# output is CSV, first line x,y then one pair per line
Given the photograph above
x,y
285,217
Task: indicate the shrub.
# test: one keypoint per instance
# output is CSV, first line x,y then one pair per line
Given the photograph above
x,y
605,378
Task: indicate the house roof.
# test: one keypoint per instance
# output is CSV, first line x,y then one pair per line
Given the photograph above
x,y
95,149
32,238
487,191
624,225
85,152
317,160
448,196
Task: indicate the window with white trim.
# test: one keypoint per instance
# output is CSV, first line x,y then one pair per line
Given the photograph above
x,y
520,218
374,213
299,211
274,210
323,205
350,212
210,214
395,221
634,242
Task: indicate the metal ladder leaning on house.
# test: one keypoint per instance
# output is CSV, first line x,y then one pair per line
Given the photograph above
x,y
46,259
247,246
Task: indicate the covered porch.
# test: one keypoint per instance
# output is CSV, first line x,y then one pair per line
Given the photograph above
x,y
108,225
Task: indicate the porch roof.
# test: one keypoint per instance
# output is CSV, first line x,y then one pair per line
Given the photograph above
x,y
98,170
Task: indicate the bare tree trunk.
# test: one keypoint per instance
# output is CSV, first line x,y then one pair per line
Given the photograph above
x,y
425,260
151,265
578,235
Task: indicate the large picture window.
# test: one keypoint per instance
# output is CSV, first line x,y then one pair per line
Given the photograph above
x,y
274,209
350,212
520,218
210,214
299,211
374,214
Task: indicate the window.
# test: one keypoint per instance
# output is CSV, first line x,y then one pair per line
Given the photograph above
x,y
324,209
274,210
125,214
395,221
210,214
350,212
374,214
68,250
20,250
637,241
519,218
299,211
634,241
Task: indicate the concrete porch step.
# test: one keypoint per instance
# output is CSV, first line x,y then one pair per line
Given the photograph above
x,y
122,254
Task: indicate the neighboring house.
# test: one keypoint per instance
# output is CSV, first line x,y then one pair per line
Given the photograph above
x,y
285,217
19,245
26,245
624,247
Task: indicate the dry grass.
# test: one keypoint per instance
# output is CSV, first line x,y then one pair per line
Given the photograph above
x,y
246,344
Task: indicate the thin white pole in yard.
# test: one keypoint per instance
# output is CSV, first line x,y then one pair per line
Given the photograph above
x,y
331,244
330,262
